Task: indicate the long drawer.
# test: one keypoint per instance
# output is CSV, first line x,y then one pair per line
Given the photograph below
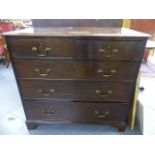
x,y
76,111
68,69
74,48
76,91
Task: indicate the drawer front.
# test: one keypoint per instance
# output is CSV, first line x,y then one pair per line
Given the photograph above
x,y
41,48
68,69
80,49
109,50
76,91
76,111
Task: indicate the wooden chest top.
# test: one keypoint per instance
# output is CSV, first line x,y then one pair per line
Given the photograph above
x,y
78,31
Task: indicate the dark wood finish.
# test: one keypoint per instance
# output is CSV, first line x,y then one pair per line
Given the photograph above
x,y
77,49
94,33
119,125
109,49
75,70
77,22
76,111
75,90
31,125
59,48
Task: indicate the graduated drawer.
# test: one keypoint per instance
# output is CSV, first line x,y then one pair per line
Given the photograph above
x,y
77,48
76,91
68,69
76,111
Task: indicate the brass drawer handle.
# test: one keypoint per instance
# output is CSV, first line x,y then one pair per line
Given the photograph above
x,y
40,53
44,93
100,115
108,93
111,72
48,113
109,54
43,73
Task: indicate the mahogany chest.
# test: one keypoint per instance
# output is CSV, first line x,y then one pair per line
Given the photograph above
x,y
84,75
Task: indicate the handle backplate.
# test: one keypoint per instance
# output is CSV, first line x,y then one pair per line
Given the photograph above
x,y
48,113
43,73
108,93
40,53
102,72
108,52
46,93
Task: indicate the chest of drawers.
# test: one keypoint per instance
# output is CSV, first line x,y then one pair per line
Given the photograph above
x,y
82,75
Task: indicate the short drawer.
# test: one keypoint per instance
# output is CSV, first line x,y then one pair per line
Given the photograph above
x,y
76,111
69,69
75,48
76,91
110,49
42,48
